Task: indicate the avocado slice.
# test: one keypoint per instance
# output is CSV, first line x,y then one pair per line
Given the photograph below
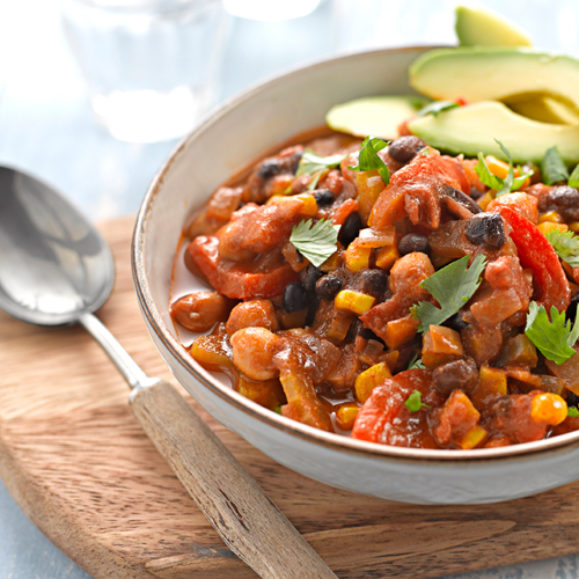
x,y
473,128
476,27
546,110
379,116
510,75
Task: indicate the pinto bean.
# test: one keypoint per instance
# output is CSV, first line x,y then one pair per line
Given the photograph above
x,y
405,148
458,374
201,310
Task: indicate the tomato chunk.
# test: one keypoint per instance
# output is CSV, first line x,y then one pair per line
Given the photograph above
x,y
537,254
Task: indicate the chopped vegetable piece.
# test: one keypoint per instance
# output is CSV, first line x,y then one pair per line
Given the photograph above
x,y
452,286
440,345
537,254
555,338
315,241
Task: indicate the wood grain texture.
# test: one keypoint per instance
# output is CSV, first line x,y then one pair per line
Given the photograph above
x,y
80,466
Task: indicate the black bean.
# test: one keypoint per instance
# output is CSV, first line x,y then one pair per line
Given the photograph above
x,y
295,161
323,197
295,297
461,374
572,309
368,334
413,242
487,229
572,399
310,276
476,193
456,322
269,168
350,229
404,149
328,286
462,198
373,282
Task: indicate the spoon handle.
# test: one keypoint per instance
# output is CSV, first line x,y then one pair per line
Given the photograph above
x,y
249,523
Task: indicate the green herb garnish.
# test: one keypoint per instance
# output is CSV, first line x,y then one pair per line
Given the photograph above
x,y
368,159
553,337
416,363
553,168
574,178
573,411
452,286
437,107
501,186
312,163
566,244
315,241
414,402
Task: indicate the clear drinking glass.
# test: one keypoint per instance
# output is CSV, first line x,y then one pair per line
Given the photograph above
x,y
151,65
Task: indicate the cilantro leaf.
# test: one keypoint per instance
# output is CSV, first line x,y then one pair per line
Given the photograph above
x,y
574,178
566,244
501,186
573,411
415,363
368,159
315,241
414,401
452,286
436,108
312,163
554,338
553,168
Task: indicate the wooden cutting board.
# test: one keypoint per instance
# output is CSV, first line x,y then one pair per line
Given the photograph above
x,y
78,464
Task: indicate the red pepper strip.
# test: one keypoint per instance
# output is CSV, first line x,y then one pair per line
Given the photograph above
x,y
538,255
237,280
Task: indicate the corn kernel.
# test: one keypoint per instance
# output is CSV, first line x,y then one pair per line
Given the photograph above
x,y
357,258
367,380
546,226
553,216
345,416
493,380
386,257
548,408
473,437
354,301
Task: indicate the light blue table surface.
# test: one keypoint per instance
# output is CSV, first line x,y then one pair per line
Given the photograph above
x,y
47,127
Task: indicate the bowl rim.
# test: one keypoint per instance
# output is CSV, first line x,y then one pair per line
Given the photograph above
x,y
308,434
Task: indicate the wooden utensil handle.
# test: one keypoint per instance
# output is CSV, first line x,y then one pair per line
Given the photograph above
x,y
249,523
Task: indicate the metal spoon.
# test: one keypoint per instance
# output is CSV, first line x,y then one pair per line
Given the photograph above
x,y
56,269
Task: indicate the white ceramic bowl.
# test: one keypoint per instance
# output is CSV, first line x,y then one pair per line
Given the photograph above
x,y
240,131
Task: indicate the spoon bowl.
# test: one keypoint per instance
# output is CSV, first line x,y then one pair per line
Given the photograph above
x,y
55,269
54,266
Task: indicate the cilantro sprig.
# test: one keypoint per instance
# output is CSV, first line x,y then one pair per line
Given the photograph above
x,y
312,163
553,168
553,337
573,411
315,241
566,244
368,158
501,186
437,107
452,286
414,401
